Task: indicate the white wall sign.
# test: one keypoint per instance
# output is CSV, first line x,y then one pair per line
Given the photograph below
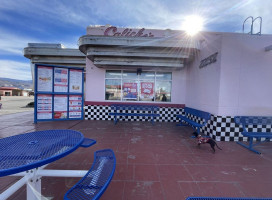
x,y
209,60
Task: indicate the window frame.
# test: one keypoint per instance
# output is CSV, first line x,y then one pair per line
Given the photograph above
x,y
138,80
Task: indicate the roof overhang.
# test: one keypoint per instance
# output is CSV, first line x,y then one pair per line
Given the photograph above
x,y
54,54
130,52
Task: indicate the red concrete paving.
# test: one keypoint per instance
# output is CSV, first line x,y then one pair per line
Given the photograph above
x,y
160,162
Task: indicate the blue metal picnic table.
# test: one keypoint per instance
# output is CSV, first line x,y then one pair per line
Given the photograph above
x,y
27,154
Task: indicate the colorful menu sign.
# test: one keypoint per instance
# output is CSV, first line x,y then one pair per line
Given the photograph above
x,y
58,93
44,106
130,90
44,79
147,89
75,81
60,106
61,80
75,105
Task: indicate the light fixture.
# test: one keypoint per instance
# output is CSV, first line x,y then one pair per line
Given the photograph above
x,y
139,71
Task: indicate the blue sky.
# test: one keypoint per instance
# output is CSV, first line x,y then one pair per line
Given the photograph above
x,y
63,21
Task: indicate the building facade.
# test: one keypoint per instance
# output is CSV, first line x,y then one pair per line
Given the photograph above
x,y
226,74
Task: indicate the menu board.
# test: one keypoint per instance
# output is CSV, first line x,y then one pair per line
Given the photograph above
x,y
44,76
44,106
60,106
60,80
58,93
75,81
75,106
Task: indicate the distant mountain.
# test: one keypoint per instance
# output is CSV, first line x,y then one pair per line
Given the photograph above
x,y
8,82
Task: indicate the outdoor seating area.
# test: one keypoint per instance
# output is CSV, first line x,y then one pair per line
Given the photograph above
x,y
153,162
124,110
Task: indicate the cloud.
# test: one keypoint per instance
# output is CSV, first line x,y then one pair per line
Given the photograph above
x,y
15,70
12,44
149,14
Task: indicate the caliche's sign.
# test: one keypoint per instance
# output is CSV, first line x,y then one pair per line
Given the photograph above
x,y
113,31
209,60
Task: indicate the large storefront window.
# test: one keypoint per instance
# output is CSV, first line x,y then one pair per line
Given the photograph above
x,y
113,85
144,86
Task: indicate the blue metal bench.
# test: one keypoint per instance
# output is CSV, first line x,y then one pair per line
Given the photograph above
x,y
191,113
252,128
134,110
97,179
225,198
201,118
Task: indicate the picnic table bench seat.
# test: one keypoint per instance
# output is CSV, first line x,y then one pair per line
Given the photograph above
x,y
97,179
187,117
134,110
248,123
226,198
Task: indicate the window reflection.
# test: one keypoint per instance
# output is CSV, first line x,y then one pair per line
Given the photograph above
x,y
145,86
113,89
163,91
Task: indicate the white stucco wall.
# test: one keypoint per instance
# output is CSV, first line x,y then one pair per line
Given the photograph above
x,y
203,83
246,75
95,82
239,83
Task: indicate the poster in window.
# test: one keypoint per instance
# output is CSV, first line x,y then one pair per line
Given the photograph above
x,y
60,106
60,80
75,106
147,90
130,90
75,81
44,106
45,75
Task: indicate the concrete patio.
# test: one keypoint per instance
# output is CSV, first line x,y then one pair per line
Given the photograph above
x,y
160,162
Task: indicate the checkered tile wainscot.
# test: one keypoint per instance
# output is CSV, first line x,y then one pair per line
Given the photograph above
x,y
220,128
167,114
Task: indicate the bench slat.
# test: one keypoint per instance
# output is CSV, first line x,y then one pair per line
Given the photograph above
x,y
205,116
97,179
189,121
257,134
135,114
245,122
122,110
198,113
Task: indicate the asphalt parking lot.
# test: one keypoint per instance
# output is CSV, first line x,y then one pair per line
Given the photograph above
x,y
15,104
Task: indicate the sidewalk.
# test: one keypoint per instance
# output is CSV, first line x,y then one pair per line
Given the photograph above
x,y
160,162
15,104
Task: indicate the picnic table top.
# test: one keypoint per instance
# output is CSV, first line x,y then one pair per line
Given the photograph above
x,y
31,150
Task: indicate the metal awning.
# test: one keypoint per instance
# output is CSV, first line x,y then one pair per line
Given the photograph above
x,y
54,54
130,52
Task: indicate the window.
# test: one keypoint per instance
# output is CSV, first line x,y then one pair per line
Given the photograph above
x,y
113,85
122,85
